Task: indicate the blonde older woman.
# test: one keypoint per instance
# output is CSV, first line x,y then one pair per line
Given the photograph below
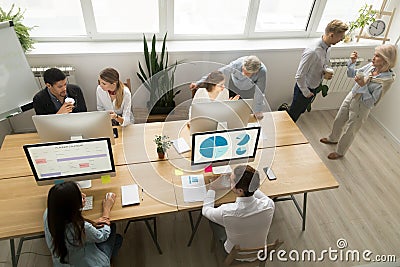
x,y
372,82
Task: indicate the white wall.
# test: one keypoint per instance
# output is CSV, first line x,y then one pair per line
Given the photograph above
x,y
387,112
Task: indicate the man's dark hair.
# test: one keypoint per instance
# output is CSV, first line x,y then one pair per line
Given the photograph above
x,y
247,179
53,75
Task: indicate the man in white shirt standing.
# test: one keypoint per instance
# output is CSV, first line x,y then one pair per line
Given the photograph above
x,y
246,222
313,68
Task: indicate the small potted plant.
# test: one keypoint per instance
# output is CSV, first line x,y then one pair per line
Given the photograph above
x,y
366,15
163,144
21,30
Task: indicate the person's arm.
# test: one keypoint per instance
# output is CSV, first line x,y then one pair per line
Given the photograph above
x,y
208,211
261,82
40,103
96,235
126,112
307,59
99,102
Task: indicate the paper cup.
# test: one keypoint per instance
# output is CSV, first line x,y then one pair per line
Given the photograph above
x,y
70,100
360,74
329,70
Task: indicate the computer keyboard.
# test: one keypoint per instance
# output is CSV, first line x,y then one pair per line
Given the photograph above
x,y
89,203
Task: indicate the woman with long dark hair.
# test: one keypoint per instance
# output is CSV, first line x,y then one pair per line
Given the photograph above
x,y
72,239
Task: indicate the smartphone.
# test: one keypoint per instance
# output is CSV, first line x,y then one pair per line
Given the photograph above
x,y
270,174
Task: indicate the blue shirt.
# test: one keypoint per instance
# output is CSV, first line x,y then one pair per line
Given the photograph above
x,y
233,71
81,256
314,60
372,91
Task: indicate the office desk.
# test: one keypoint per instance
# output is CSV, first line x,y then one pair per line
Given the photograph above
x,y
135,143
25,202
135,154
296,174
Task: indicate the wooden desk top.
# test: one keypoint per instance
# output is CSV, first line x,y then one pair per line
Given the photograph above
x,y
298,168
135,143
24,203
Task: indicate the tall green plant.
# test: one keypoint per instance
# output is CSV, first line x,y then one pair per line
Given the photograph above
x,y
21,30
160,77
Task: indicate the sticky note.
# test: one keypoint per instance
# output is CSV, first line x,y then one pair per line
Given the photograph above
x,y
208,168
105,179
178,172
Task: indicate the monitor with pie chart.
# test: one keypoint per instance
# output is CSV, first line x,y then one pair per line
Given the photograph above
x,y
225,146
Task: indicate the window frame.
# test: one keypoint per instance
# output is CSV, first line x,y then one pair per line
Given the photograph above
x,y
166,24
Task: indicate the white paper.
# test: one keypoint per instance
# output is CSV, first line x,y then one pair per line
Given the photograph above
x,y
221,169
130,194
194,188
180,145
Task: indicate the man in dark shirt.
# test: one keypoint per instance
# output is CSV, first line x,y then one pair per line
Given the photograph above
x,y
51,100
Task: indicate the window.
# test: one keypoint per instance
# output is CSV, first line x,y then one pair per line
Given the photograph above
x,y
209,17
344,10
52,18
283,15
184,19
126,16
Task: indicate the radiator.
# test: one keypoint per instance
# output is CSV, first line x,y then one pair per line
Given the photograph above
x,y
340,82
38,73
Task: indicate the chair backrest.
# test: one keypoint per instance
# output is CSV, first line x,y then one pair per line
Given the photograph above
x,y
253,229
238,256
128,84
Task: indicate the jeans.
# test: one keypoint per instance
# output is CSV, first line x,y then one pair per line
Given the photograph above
x,y
299,103
112,245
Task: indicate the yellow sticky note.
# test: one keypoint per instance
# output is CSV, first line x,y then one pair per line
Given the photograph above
x,y
178,172
105,179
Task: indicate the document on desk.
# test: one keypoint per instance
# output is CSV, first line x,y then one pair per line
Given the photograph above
x,y
130,195
194,188
180,145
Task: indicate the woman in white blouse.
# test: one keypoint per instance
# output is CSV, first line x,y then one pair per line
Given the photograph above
x,y
114,96
212,89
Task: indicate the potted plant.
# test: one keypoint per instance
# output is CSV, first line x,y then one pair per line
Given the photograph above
x,y
159,79
366,16
21,30
162,144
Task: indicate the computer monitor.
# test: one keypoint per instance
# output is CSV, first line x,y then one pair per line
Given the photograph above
x,y
225,146
62,127
231,114
75,160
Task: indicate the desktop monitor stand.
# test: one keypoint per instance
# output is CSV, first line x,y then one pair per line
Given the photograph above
x,y
86,183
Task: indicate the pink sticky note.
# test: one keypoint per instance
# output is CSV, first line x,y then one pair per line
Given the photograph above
x,y
208,169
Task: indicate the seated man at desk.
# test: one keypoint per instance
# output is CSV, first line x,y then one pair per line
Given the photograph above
x,y
246,222
58,97
246,77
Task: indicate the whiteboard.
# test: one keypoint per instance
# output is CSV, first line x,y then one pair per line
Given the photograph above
x,y
17,83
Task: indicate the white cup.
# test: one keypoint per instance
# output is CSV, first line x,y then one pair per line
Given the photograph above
x,y
329,70
69,100
360,74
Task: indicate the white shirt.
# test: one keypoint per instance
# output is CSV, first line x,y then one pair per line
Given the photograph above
x,y
202,96
259,205
104,103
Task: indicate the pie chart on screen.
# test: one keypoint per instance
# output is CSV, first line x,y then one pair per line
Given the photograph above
x,y
214,147
243,139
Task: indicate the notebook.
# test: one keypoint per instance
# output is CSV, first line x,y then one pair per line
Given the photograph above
x,y
130,195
